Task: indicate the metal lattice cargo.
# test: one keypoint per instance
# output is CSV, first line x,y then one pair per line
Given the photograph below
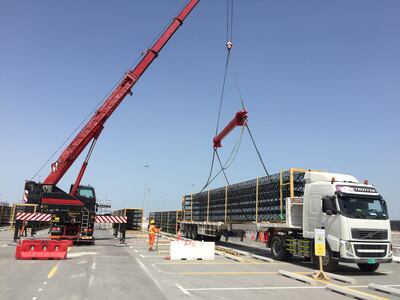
x,y
167,220
134,217
5,215
257,200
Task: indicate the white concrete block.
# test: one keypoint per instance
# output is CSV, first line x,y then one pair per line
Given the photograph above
x,y
191,250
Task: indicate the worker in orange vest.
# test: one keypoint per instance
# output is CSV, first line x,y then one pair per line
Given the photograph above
x,y
153,230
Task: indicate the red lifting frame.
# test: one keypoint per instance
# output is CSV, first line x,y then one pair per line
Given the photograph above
x,y
239,120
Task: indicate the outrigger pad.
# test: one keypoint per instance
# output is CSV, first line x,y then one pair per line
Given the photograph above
x,y
42,249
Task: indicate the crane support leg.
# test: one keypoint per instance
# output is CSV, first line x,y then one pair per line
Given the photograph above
x,y
239,120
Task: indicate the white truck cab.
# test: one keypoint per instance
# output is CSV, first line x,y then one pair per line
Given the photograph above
x,y
354,216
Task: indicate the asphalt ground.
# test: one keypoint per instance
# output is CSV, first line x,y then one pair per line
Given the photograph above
x,y
109,271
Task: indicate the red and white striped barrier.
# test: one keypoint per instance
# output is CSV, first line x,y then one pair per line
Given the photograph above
x,y
110,219
33,217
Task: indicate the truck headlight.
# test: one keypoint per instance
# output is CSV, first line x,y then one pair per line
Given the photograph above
x,y
349,248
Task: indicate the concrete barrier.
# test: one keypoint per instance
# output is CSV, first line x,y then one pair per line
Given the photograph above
x,y
351,293
191,250
267,259
298,277
383,288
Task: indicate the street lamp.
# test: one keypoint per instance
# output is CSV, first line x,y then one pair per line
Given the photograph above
x,y
146,167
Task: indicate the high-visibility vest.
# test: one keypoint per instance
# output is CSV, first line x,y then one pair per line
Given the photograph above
x,y
152,229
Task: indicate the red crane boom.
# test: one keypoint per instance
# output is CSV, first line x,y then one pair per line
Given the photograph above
x,y
93,128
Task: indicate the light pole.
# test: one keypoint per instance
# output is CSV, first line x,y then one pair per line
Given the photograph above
x,y
146,167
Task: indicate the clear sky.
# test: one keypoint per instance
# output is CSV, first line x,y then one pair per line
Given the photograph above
x,y
321,82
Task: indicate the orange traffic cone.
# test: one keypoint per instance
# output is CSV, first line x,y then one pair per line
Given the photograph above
x,y
179,235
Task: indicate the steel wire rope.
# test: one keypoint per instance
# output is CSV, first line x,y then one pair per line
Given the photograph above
x,y
229,26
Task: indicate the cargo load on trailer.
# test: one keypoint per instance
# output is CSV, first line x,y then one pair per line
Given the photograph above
x,y
168,221
134,218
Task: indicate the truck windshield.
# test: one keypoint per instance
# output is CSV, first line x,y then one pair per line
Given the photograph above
x,y
85,192
363,208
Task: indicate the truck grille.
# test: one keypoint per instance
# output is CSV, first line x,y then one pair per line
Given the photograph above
x,y
369,234
363,250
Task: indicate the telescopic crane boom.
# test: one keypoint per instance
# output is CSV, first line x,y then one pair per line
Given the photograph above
x,y
93,128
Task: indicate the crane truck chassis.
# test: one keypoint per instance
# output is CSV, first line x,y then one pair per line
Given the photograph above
x,y
289,206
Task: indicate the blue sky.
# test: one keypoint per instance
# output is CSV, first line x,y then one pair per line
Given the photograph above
x,y
320,79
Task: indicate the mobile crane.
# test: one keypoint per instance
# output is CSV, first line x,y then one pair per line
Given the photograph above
x,y
74,213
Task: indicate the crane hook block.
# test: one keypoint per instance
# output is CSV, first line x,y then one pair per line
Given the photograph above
x,y
239,120
229,45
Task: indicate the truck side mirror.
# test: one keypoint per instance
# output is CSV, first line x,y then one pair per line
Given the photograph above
x,y
327,205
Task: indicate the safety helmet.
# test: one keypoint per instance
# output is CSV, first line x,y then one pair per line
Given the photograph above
x,y
152,222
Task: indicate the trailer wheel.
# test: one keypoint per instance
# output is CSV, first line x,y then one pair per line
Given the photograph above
x,y
329,264
195,236
278,248
368,267
186,232
217,237
191,230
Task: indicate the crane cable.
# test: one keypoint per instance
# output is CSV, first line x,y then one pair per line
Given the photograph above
x,y
229,30
232,156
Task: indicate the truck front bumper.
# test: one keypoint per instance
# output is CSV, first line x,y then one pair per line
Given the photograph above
x,y
365,261
364,252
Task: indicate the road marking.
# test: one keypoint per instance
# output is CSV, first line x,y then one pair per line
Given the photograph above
x,y
348,288
91,278
202,262
39,290
135,250
52,271
256,288
141,255
234,273
72,255
2,246
148,273
45,282
94,264
34,298
182,289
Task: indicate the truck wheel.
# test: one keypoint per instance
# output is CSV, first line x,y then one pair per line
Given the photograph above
x,y
368,267
329,264
278,248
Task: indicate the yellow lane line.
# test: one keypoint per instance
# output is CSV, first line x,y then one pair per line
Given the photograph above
x,y
52,271
349,288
